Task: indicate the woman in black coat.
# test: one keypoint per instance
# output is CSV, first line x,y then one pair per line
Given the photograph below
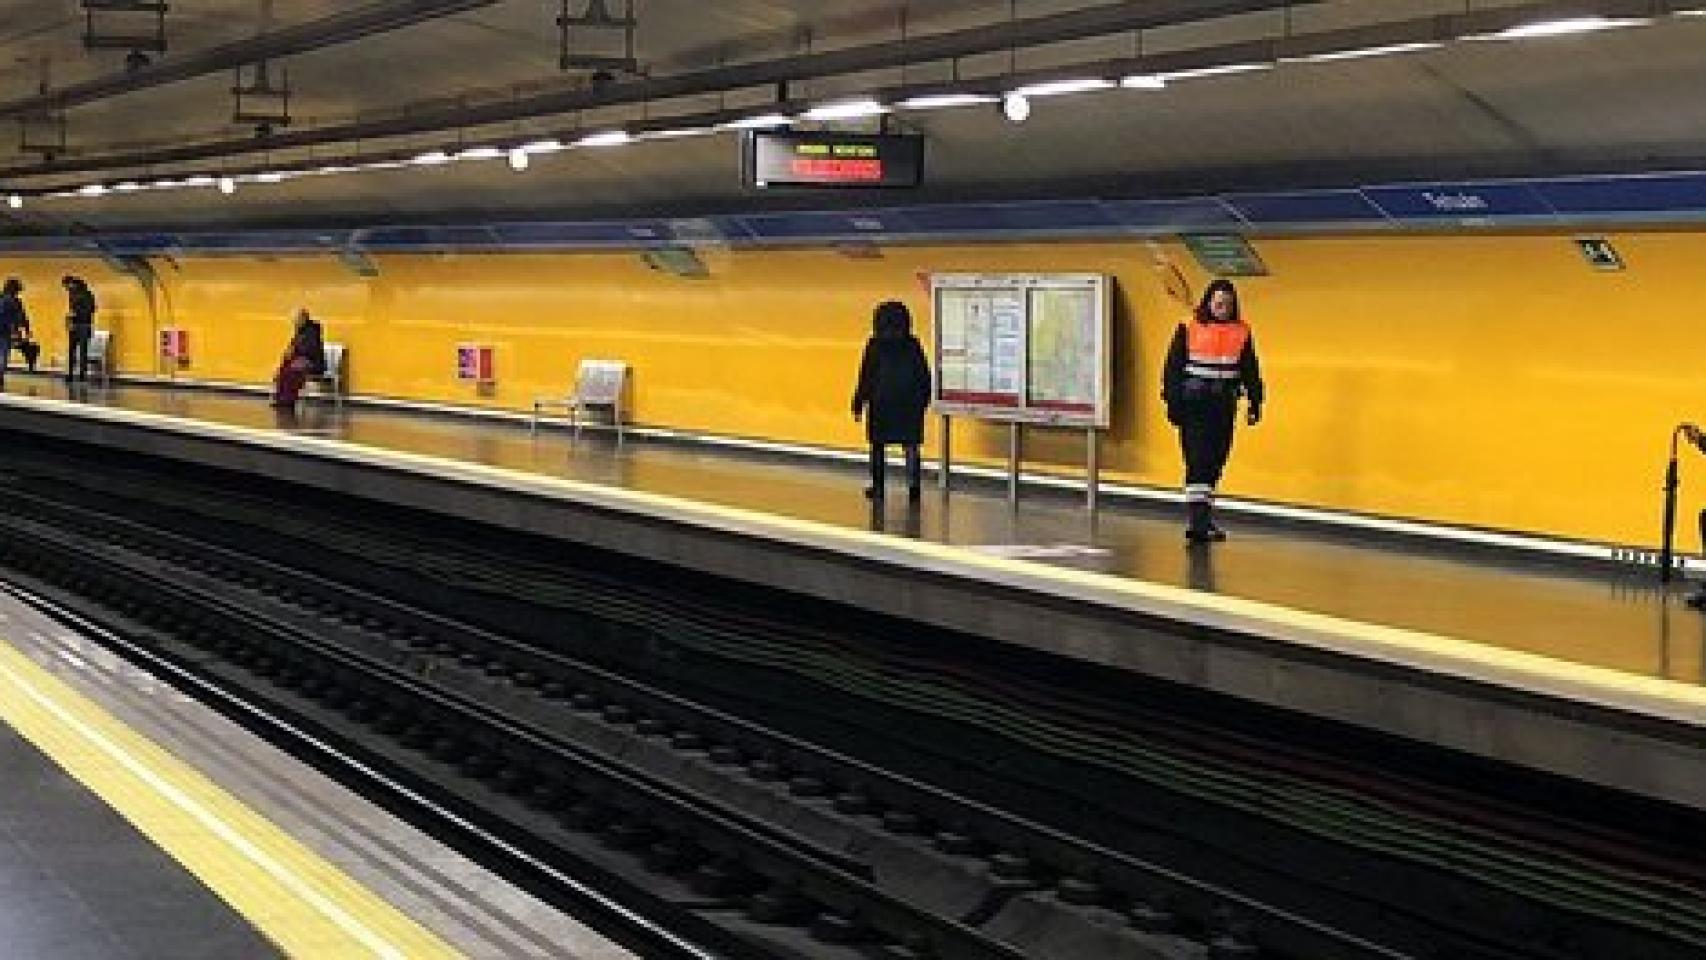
x,y
894,385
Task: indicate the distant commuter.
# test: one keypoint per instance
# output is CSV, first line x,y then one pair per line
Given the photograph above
x,y
305,357
79,327
894,390
14,324
1212,361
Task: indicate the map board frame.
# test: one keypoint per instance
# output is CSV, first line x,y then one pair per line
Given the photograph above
x,y
1001,295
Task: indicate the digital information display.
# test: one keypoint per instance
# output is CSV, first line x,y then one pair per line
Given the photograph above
x,y
829,159
1025,348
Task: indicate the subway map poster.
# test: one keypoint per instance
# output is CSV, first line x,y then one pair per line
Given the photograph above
x,y
1032,348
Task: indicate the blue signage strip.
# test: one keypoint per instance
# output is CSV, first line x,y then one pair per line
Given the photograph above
x,y
426,238
584,234
801,226
1683,193
1589,200
270,241
1313,206
1043,217
1459,201
1194,213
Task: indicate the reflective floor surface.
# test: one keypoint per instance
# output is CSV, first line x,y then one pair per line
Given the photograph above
x,y
1616,620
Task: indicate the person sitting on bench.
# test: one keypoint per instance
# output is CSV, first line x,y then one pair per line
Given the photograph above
x,y
305,357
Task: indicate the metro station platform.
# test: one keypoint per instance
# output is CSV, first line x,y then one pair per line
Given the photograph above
x,y
1563,664
138,824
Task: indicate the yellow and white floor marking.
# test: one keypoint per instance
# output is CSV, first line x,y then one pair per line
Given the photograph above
x,y
301,902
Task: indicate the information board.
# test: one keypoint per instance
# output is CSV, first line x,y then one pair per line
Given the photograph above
x,y
1032,348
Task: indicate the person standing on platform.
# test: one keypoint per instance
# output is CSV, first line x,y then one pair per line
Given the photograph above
x,y
14,323
1211,362
79,327
894,389
304,358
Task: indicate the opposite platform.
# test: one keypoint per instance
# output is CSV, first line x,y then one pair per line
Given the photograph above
x,y
1389,652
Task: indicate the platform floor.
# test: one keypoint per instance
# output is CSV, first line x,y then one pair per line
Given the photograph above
x,y
1564,610
138,824
77,881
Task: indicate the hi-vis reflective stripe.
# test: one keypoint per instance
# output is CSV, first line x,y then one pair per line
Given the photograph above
x,y
1211,373
1196,493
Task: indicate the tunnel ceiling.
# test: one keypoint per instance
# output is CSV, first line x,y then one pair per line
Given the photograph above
x,y
1621,99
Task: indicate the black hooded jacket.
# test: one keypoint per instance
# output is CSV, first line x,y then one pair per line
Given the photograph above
x,y
894,385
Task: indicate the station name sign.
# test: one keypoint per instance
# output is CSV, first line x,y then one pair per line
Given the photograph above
x,y
828,159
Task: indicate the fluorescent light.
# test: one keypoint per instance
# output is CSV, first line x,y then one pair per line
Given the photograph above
x,y
227,186
268,177
166,184
200,180
846,110
680,133
435,158
1222,70
1362,52
1144,81
1055,88
92,190
606,138
15,201
940,101
543,146
1562,28
479,153
518,160
385,165
760,122
1016,107
128,186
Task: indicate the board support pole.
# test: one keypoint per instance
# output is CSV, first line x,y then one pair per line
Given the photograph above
x,y
943,480
1092,468
1015,444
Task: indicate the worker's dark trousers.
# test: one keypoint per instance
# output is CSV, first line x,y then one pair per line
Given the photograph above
x,y
1205,433
77,364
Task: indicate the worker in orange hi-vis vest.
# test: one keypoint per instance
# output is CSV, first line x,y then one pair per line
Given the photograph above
x,y
1211,362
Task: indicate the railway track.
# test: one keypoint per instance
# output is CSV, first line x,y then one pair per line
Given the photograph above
x,y
734,836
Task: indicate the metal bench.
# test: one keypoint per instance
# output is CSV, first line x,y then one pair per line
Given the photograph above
x,y
331,382
599,385
101,354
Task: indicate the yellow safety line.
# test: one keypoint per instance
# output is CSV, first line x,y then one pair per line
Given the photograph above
x,y
301,902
